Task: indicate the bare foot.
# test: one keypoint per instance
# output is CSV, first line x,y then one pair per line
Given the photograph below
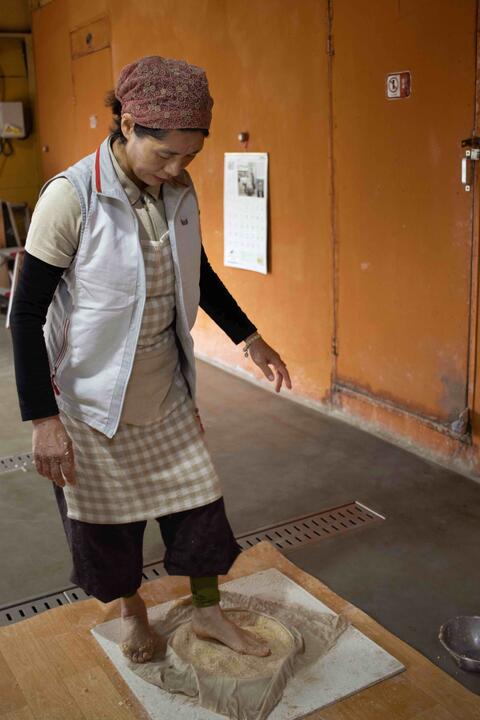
x,y
138,639
210,622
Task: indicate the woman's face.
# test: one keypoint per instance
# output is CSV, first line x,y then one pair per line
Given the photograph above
x,y
155,161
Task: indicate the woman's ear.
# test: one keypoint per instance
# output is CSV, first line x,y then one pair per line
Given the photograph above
x,y
127,124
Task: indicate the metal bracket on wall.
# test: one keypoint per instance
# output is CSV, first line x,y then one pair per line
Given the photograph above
x,y
462,424
472,154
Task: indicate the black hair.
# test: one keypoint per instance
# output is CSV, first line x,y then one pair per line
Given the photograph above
x,y
140,130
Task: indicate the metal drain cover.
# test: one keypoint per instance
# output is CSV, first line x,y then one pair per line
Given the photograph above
x,y
312,528
285,536
22,461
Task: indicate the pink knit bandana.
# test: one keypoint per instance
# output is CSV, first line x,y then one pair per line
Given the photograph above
x,y
165,93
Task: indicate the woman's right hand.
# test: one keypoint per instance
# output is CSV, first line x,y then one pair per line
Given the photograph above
x,y
53,450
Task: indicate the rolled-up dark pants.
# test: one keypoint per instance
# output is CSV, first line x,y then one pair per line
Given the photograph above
x,y
108,558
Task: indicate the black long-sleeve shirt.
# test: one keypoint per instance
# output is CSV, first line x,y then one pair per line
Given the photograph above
x,y
36,286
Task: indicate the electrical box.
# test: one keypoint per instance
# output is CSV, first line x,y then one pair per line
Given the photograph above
x,y
12,124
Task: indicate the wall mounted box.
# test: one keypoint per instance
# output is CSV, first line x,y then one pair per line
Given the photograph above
x,y
12,123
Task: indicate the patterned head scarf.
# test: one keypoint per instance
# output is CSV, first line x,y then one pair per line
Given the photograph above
x,y
165,93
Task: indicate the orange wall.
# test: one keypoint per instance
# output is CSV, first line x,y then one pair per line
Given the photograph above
x,y
15,16
19,173
269,74
277,91
19,176
287,89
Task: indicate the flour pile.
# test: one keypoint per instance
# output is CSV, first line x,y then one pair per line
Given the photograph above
x,y
241,687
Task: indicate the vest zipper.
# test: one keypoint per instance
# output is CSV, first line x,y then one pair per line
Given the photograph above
x,y
141,261
60,356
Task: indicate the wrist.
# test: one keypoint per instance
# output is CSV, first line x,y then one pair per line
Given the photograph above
x,y
252,336
38,421
249,340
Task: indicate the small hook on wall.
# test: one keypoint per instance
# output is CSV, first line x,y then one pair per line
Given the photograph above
x,y
244,137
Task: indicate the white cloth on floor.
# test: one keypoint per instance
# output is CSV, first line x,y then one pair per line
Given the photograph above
x,y
241,687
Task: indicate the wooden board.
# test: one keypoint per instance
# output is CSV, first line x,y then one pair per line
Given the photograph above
x,y
51,667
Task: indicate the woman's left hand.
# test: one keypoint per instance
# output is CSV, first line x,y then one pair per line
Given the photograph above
x,y
263,355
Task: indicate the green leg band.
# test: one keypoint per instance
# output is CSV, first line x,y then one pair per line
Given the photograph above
x,y
205,591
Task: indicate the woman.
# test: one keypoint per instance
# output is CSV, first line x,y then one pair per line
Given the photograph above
x,y
115,269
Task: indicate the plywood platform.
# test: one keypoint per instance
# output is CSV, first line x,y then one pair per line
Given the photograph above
x,y
51,667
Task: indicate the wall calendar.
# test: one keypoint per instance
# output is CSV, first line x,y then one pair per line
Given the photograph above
x,y
245,211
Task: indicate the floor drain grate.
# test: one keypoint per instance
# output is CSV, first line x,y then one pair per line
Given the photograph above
x,y
22,461
154,571
286,536
29,608
312,528
11,614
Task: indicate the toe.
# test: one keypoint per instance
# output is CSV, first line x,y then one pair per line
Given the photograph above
x,y
263,647
126,649
259,649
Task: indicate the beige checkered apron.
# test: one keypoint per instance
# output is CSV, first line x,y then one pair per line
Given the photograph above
x,y
153,469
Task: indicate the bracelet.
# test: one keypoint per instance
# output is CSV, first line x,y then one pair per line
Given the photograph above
x,y
249,341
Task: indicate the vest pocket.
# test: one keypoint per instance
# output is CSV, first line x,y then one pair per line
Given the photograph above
x,y
97,341
90,294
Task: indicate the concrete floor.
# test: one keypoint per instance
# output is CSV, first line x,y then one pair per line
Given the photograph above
x,y
278,460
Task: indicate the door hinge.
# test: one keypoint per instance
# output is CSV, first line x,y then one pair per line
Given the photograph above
x,y
334,346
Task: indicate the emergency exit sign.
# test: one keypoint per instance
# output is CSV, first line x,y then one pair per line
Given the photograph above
x,y
398,85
